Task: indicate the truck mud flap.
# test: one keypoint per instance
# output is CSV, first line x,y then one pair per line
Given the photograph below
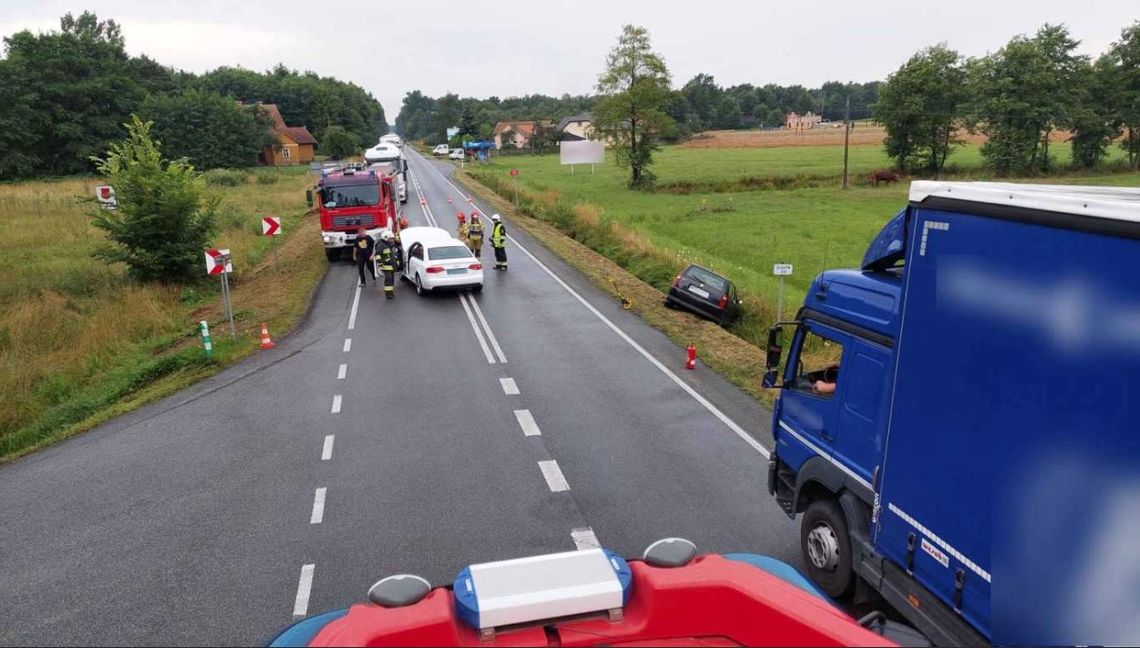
x,y
921,608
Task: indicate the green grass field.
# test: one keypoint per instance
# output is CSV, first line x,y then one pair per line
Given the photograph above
x,y
77,337
742,233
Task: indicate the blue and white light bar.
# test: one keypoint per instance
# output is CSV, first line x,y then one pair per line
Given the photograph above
x,y
496,594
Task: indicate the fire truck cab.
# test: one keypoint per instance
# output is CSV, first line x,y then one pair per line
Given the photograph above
x,y
350,198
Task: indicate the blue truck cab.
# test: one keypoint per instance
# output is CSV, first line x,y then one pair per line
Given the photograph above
x,y
979,329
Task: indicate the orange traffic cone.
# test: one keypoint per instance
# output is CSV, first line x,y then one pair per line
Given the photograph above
x,y
691,357
266,343
449,200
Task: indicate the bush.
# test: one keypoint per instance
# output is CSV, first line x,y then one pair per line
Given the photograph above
x,y
163,220
266,177
338,143
224,177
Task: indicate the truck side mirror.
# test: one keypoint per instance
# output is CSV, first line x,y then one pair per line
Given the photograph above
x,y
774,348
309,197
769,381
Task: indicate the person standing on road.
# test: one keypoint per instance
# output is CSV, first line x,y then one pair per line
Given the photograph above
x,y
362,254
475,235
387,258
499,241
461,229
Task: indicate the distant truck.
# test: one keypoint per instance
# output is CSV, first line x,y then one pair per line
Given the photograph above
x,y
351,198
387,158
392,138
990,334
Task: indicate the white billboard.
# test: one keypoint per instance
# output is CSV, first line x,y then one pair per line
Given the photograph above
x,y
583,152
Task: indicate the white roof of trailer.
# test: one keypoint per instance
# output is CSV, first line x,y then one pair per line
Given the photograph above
x,y
1115,203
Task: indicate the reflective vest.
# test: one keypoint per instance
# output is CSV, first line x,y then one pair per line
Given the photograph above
x,y
475,231
498,235
386,257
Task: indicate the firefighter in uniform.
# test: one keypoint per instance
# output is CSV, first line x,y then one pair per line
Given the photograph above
x,y
386,255
475,235
499,241
461,229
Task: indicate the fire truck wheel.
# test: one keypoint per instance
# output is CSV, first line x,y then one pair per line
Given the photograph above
x,y
826,547
332,254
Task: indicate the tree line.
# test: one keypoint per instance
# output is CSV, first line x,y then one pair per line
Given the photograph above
x,y
699,105
1018,97
65,95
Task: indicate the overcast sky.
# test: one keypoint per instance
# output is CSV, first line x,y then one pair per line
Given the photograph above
x,y
509,47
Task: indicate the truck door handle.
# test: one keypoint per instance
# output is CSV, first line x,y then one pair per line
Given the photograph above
x,y
826,436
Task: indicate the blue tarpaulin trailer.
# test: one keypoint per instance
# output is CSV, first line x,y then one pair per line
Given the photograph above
x,y
957,421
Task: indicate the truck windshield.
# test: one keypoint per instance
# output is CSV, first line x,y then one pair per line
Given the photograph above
x,y
351,195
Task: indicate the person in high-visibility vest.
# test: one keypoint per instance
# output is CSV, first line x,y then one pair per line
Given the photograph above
x,y
499,241
386,255
475,235
461,229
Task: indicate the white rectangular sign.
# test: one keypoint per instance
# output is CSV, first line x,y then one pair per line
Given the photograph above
x,y
582,152
105,194
782,269
218,262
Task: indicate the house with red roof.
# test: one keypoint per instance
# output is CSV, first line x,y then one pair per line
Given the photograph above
x,y
296,145
518,133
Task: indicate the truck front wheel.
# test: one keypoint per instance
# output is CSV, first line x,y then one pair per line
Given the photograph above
x,y
332,254
826,547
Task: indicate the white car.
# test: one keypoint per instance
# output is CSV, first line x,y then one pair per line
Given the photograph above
x,y
434,259
456,154
440,149
392,138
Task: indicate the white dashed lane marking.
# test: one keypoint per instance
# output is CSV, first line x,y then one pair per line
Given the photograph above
x,y
509,386
318,506
336,404
347,345
342,372
304,586
527,423
355,304
584,538
553,475
326,451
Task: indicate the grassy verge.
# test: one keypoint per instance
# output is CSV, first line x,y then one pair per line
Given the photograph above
x,y
80,343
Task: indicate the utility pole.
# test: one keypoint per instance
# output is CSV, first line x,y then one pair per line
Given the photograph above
x,y
846,137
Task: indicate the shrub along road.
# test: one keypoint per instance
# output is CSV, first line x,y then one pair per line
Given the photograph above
x,y
416,436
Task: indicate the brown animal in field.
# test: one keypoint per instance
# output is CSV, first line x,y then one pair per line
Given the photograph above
x,y
887,176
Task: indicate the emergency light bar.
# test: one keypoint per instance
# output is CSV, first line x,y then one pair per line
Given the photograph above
x,y
496,594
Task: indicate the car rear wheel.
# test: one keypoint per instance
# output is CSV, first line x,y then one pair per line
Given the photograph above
x,y
478,288
826,547
420,290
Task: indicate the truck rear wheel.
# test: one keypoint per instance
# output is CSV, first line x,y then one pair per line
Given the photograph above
x,y
332,254
826,546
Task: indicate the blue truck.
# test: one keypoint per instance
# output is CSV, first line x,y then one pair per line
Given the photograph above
x,y
993,331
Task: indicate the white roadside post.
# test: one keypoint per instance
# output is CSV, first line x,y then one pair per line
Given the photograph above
x,y
218,263
207,344
781,270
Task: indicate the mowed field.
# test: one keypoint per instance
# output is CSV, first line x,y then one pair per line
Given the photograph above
x,y
742,233
78,337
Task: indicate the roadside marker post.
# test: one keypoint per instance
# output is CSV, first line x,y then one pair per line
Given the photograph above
x,y
207,344
271,226
515,184
781,270
218,262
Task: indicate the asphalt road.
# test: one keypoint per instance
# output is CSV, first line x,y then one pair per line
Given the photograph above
x,y
533,417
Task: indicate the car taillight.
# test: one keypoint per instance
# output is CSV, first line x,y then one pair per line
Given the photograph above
x,y
676,281
475,266
434,269
723,303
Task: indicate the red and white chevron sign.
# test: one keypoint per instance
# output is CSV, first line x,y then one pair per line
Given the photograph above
x,y
218,262
270,225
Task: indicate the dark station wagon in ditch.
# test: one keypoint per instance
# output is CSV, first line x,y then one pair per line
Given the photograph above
x,y
704,292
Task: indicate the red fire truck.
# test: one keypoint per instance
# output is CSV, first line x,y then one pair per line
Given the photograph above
x,y
352,197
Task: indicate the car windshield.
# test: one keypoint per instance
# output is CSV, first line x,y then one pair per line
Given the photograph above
x,y
707,278
352,195
449,252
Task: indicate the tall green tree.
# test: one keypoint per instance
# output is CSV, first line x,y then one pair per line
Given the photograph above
x,y
164,219
1092,122
704,97
338,143
1021,94
73,87
633,93
207,129
1122,77
922,105
467,122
